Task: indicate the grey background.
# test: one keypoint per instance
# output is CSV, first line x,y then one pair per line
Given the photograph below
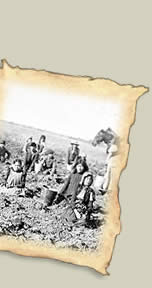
x,y
97,38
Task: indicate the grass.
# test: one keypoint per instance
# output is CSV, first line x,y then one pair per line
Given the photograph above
x,y
32,222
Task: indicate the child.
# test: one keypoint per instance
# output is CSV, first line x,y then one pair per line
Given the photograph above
x,y
27,144
31,156
4,153
49,164
82,205
73,153
15,176
46,164
41,144
83,158
71,184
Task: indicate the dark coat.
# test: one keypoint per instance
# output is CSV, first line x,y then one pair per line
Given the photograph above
x,y
71,185
4,154
72,155
29,160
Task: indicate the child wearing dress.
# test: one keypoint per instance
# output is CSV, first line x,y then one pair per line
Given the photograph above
x,y
15,177
27,144
41,144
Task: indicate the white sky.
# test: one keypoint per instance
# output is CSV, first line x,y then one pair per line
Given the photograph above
x,y
71,115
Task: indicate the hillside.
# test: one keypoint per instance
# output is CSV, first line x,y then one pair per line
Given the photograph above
x,y
16,135
25,216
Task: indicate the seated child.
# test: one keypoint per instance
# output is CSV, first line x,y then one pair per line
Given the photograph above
x,y
27,144
46,164
15,176
102,179
4,153
82,205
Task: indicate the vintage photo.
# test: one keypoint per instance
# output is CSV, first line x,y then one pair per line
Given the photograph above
x,y
63,145
54,181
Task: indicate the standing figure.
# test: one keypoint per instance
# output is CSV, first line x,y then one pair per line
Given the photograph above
x,y
73,153
27,144
80,158
4,153
31,156
41,143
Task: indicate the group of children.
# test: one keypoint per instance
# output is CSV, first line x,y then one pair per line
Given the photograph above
x,y
77,189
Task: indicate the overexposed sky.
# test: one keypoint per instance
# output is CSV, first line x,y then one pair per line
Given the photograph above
x,y
71,115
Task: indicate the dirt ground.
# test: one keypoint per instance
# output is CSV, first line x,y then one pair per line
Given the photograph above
x,y
23,214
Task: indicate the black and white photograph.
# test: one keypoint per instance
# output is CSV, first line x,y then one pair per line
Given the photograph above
x,y
55,151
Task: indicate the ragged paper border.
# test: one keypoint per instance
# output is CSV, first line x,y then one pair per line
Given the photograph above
x,y
127,95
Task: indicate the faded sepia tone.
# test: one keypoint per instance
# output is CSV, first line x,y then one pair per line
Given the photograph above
x,y
126,96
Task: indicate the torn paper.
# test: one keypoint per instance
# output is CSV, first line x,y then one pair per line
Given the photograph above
x,y
63,146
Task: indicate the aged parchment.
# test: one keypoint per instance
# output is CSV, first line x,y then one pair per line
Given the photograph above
x,y
104,89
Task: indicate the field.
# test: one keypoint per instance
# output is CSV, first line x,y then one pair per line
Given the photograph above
x,y
25,216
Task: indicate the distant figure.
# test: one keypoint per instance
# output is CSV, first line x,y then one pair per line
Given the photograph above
x,y
30,157
27,144
41,143
73,153
15,177
4,153
103,178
